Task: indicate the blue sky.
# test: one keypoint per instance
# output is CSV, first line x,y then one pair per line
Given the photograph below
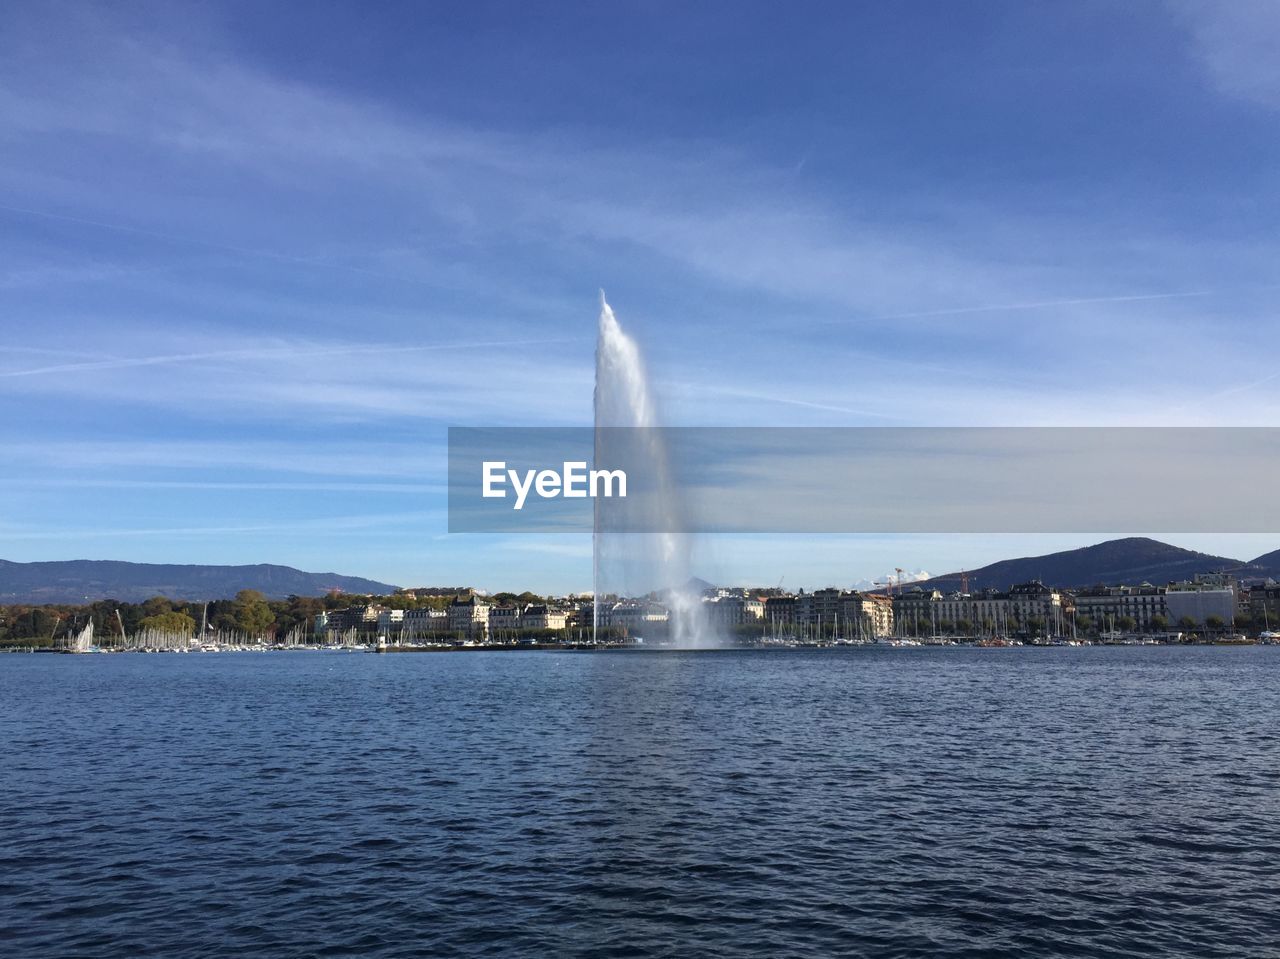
x,y
255,258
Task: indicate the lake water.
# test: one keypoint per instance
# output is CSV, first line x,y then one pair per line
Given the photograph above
x,y
895,802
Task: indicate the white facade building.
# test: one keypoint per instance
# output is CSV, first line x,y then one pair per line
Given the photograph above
x,y
1193,603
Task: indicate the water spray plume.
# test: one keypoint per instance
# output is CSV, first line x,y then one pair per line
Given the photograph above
x,y
633,564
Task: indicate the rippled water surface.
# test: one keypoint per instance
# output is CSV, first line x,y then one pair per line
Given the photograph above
x,y
896,802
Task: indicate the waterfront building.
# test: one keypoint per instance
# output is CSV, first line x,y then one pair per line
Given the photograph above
x,y
733,610
335,623
635,616
1034,601
390,620
780,612
914,611
866,615
542,616
581,615
1243,605
1264,605
984,612
766,592
821,608
1105,605
990,611
426,592
1199,602
469,615
1210,581
877,612
425,623
1027,606
502,618
845,613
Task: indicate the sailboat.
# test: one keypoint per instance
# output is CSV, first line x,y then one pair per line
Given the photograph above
x,y
81,642
1267,637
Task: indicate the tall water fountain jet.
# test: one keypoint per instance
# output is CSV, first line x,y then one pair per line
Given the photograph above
x,y
633,564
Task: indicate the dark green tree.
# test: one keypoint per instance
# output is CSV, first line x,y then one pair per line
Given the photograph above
x,y
170,622
252,614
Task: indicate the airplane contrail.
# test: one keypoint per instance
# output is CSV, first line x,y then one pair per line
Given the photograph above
x,y
789,401
1045,304
115,363
311,261
155,234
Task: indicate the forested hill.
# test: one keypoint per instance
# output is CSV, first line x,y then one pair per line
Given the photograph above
x,y
84,580
1132,560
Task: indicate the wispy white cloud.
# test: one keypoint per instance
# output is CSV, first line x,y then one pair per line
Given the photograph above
x,y
580,548
1043,304
132,456
721,216
323,524
449,378
1238,45
236,252
100,482
275,352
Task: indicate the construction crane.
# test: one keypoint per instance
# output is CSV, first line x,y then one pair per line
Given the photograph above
x,y
894,583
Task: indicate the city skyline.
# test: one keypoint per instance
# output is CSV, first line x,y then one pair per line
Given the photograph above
x,y
256,264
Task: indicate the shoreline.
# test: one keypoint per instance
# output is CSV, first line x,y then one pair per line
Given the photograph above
x,y
651,650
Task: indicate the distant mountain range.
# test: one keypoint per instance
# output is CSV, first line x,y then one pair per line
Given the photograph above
x,y
86,580
1132,560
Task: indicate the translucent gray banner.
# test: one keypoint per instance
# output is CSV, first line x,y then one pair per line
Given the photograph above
x,y
865,480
